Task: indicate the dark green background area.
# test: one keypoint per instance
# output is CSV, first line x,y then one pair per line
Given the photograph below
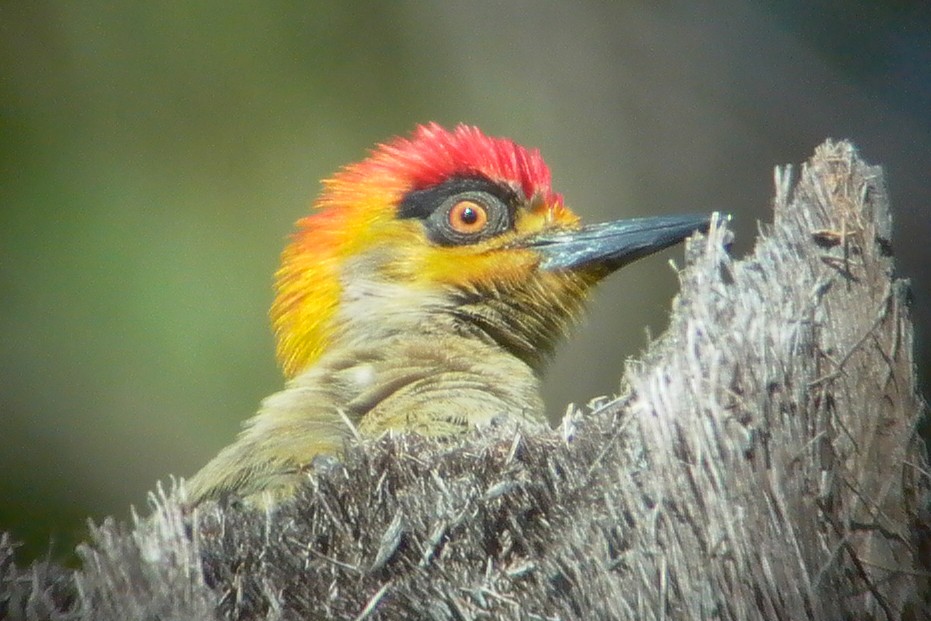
x,y
154,156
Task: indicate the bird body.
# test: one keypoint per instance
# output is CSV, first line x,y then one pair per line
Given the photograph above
x,y
425,294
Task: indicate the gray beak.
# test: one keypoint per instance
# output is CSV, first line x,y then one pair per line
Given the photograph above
x,y
612,245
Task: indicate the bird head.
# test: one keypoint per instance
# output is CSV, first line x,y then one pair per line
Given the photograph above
x,y
451,226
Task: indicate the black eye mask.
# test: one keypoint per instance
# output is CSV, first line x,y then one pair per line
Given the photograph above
x,y
432,207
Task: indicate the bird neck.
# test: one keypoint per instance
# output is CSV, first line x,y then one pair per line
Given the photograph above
x,y
523,322
527,321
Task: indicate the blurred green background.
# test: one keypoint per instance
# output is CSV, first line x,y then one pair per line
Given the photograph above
x,y
153,157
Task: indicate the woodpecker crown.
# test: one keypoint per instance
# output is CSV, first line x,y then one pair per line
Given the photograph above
x,y
433,155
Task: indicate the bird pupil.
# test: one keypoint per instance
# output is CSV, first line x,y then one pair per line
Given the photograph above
x,y
469,215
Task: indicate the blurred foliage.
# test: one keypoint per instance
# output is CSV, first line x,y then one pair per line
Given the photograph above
x,y
153,156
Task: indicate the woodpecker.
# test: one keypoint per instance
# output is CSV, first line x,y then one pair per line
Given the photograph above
x,y
424,294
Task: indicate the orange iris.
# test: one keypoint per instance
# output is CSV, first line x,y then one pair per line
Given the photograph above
x,y
468,217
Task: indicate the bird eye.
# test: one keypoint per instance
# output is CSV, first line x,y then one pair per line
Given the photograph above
x,y
461,211
468,217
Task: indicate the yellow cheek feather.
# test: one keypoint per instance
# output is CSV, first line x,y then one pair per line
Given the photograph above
x,y
540,216
491,264
300,318
308,281
470,267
